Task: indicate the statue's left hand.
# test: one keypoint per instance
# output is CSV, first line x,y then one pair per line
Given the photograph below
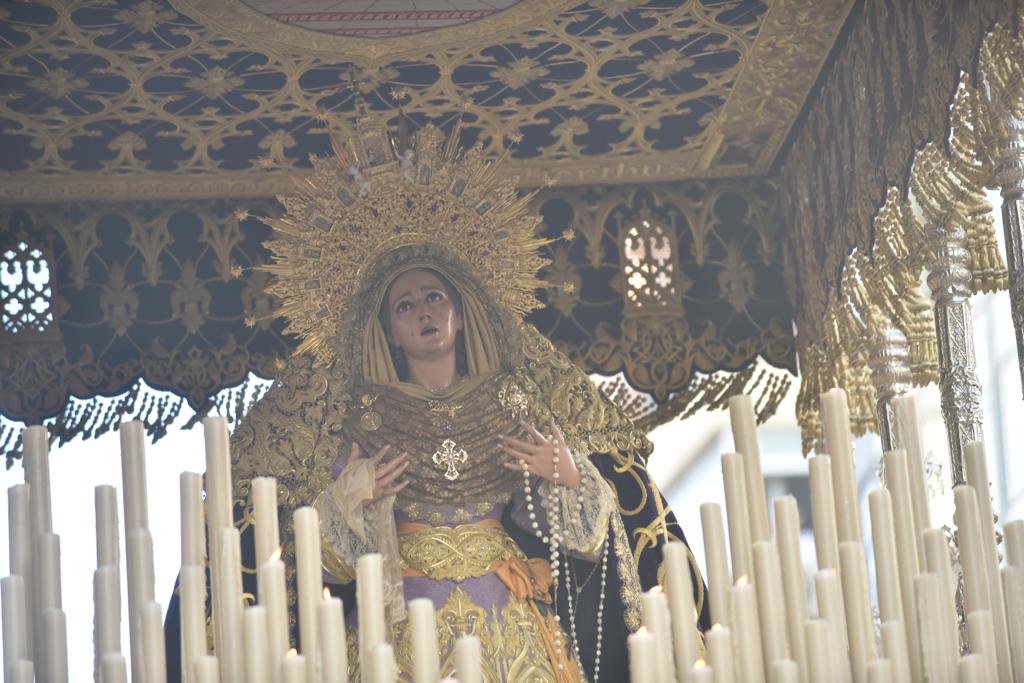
x,y
538,456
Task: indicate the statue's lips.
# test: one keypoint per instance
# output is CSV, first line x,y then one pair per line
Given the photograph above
x,y
428,331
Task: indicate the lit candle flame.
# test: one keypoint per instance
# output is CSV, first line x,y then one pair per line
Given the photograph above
x,y
276,555
742,581
292,652
700,664
327,593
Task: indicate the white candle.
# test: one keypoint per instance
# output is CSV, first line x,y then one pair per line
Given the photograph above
x,y
193,523
859,628
700,673
19,527
153,643
193,618
15,625
785,671
108,542
139,550
206,670
257,656
883,537
937,561
219,514
655,618
822,664
977,477
826,538
746,633
230,605
48,567
894,649
106,584
717,565
36,459
55,639
736,511
879,671
643,662
971,669
264,507
467,659
829,591
720,653
835,419
1013,533
1013,590
937,666
133,475
333,647
21,546
744,432
36,450
426,665
679,590
972,558
138,542
219,501
787,537
309,579
770,606
20,672
271,587
908,438
114,668
907,544
370,603
385,670
293,669
982,638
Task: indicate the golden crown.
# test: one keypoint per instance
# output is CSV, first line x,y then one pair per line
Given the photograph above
x,y
373,196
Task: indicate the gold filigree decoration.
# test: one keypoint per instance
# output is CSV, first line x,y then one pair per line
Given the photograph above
x,y
130,269
611,92
651,244
368,200
856,267
456,554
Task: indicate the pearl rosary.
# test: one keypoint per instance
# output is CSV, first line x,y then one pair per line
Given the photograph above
x,y
553,540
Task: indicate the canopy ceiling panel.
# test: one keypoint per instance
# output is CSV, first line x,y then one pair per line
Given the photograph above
x,y
138,135
130,100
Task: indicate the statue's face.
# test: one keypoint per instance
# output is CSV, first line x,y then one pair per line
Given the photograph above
x,y
424,322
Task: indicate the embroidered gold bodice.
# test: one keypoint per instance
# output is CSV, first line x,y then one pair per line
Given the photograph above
x,y
452,444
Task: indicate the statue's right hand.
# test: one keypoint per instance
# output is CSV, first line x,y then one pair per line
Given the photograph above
x,y
386,473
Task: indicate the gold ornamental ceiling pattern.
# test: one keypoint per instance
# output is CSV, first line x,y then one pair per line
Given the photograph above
x,y
130,99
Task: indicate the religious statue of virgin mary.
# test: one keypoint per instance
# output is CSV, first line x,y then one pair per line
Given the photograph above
x,y
428,422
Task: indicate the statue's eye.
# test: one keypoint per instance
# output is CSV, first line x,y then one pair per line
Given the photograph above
x,y
434,296
403,306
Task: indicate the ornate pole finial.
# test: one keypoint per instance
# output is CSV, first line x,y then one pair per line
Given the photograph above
x,y
1010,178
888,358
997,121
949,277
